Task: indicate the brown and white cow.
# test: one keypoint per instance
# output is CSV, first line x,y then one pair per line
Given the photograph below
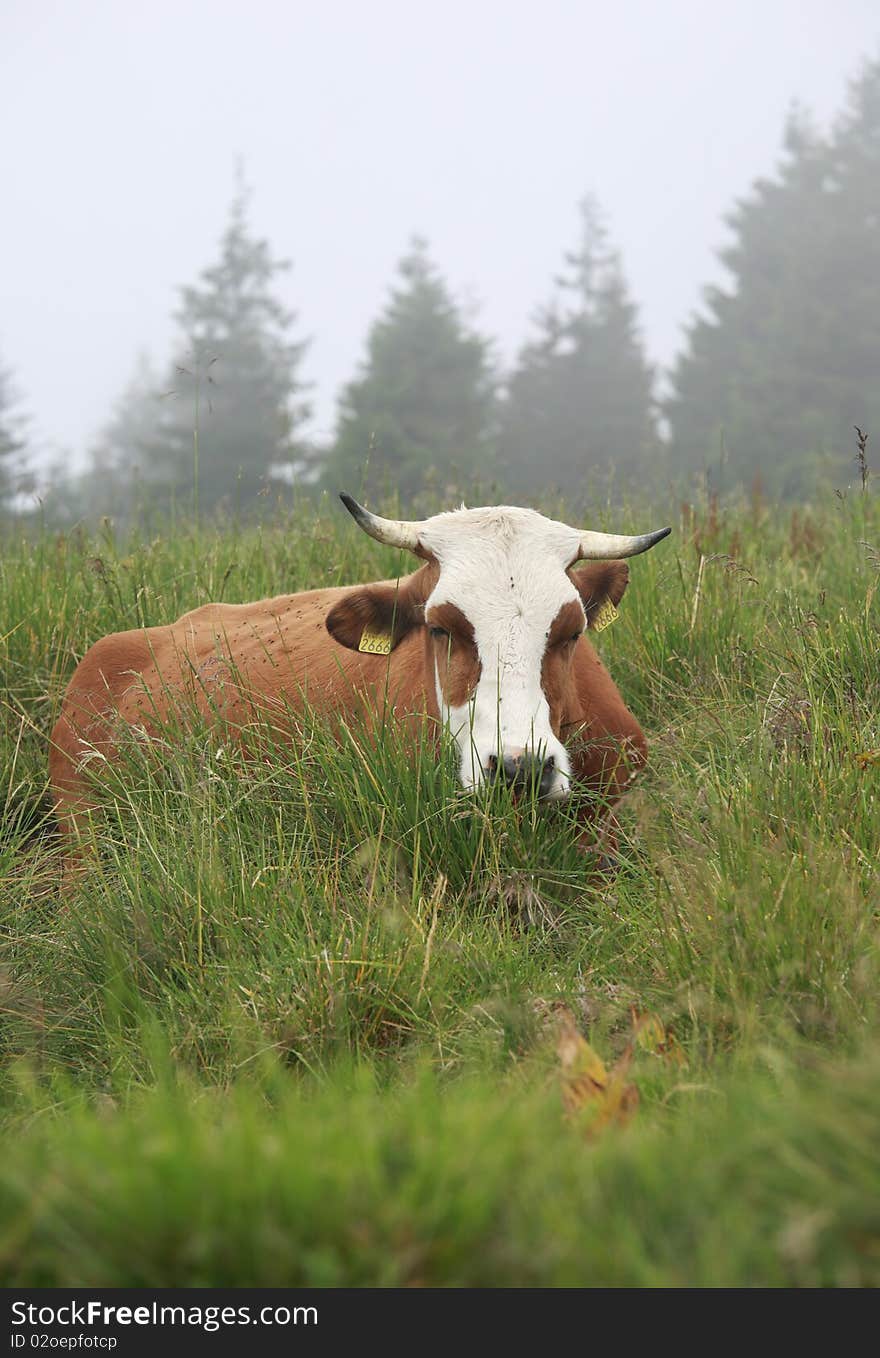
x,y
486,638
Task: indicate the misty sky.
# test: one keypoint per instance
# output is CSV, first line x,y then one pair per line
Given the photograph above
x,y
478,124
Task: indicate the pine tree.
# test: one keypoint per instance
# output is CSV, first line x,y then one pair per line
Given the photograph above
x,y
580,400
122,474
235,407
12,441
423,406
112,485
787,359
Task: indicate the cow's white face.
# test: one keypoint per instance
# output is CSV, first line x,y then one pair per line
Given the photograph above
x,y
497,607
503,612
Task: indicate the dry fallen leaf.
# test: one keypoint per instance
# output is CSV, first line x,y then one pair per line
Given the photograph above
x,y
651,1036
589,1089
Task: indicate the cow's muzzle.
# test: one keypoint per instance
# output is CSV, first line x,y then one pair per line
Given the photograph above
x,y
523,772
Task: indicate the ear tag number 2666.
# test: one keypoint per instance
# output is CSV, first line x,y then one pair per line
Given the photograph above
x,y
375,643
606,615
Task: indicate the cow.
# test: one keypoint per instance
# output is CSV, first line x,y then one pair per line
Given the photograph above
x,y
487,639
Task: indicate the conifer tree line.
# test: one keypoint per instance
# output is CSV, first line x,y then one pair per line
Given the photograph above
x,y
776,369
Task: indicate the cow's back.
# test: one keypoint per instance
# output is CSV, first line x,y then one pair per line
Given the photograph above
x,y
236,663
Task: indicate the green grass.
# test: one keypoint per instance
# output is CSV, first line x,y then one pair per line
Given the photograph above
x,y
296,1023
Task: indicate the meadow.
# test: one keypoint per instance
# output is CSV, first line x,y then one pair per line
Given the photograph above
x,y
299,1021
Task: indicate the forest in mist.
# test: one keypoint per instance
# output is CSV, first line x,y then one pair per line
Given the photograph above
x,y
775,376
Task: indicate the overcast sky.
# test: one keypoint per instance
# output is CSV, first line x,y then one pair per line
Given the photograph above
x,y
479,123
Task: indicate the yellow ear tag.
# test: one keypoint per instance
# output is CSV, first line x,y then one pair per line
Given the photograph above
x,y
605,617
375,643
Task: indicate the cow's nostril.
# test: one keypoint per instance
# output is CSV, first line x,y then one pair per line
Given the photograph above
x,y
548,773
525,771
521,771
512,768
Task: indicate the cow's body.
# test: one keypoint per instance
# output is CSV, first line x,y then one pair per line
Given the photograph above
x,y
242,663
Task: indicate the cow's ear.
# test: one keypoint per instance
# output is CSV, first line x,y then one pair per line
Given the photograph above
x,y
375,619
600,584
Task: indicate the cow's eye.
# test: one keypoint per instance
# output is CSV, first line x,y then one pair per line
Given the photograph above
x,y
439,633
576,636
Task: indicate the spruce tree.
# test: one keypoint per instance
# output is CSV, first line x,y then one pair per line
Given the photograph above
x,y
579,399
12,441
235,410
114,484
423,405
787,359
122,475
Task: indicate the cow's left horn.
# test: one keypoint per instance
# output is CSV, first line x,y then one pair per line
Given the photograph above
x,y
610,546
393,532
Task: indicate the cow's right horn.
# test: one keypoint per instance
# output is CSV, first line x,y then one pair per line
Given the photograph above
x,y
606,546
393,532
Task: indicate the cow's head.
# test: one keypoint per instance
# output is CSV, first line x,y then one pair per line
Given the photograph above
x,y
502,610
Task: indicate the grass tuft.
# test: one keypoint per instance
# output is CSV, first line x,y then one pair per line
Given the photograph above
x,y
293,1025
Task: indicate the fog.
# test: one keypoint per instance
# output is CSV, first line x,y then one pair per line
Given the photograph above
x,y
478,125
